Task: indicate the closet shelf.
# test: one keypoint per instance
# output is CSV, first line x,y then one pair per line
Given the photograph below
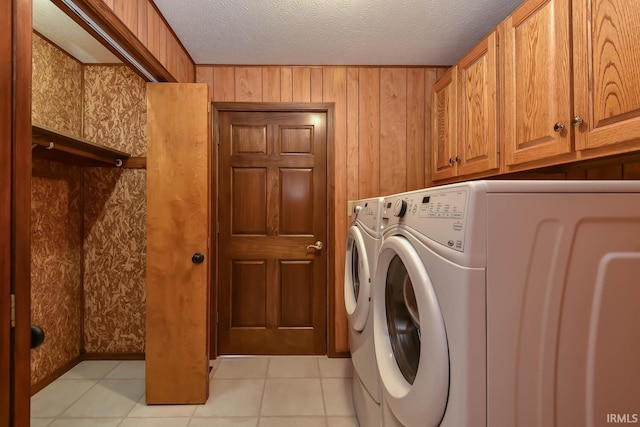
x,y
55,145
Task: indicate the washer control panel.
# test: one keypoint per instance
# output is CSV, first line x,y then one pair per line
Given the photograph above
x,y
367,213
440,215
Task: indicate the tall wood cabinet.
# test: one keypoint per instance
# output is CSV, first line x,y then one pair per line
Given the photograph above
x,y
570,80
464,138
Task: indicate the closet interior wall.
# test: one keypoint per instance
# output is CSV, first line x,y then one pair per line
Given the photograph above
x,y
88,224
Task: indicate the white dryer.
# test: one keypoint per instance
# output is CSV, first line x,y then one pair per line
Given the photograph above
x,y
509,303
363,243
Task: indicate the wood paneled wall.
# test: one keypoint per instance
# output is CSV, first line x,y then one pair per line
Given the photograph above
x,y
147,24
381,131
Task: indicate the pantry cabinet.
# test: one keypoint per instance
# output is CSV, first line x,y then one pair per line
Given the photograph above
x,y
464,138
570,81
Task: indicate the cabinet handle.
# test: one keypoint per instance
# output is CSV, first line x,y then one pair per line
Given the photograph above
x,y
577,121
558,127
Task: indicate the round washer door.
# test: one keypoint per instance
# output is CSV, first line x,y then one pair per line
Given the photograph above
x,y
357,280
409,337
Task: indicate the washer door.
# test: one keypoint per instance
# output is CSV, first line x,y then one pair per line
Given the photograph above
x,y
357,280
409,336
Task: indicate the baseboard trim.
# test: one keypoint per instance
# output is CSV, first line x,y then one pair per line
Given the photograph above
x,y
339,354
80,358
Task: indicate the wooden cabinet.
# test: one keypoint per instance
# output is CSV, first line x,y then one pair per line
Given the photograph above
x,y
570,81
464,138
606,62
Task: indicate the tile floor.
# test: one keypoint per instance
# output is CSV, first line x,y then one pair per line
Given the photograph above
x,y
281,391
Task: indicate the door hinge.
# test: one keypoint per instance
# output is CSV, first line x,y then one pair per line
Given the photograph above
x,y
13,310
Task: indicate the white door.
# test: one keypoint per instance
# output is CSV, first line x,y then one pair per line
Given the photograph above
x,y
409,336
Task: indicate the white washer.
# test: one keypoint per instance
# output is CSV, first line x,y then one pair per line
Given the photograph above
x,y
363,243
502,303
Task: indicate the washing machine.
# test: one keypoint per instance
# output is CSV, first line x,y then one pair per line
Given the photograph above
x,y
509,303
363,243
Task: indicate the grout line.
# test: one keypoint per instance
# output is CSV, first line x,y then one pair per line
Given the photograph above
x,y
264,390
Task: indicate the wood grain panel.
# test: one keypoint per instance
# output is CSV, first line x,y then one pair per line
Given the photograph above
x,y
296,293
393,130
605,172
162,47
109,3
249,201
335,90
296,140
271,82
296,214
127,11
204,74
143,24
316,85
430,79
416,141
286,85
172,57
177,327
631,170
153,30
369,129
606,61
248,84
224,84
248,293
249,139
301,84
353,162
186,68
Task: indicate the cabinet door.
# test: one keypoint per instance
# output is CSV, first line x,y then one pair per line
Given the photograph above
x,y
177,318
477,109
536,102
606,71
443,126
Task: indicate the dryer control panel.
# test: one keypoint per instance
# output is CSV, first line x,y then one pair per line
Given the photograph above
x,y
440,215
367,213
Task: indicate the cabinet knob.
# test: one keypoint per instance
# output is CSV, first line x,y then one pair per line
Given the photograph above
x,y
197,258
458,159
558,127
451,160
577,121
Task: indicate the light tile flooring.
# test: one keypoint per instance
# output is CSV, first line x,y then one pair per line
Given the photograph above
x,y
282,391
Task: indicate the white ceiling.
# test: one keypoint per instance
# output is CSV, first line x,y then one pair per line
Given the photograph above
x,y
56,26
332,32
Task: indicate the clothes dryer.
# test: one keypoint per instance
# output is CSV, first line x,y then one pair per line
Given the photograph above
x,y
363,243
509,303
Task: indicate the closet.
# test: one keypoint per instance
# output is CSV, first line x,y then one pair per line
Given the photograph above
x,y
88,203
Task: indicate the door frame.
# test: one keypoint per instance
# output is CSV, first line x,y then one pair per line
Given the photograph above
x,y
319,107
15,229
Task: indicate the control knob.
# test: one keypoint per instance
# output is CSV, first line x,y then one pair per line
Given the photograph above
x,y
357,209
400,208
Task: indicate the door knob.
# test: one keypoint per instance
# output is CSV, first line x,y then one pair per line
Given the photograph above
x,y
197,258
37,336
318,246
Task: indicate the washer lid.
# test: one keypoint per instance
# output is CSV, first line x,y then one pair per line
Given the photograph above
x,y
409,336
357,280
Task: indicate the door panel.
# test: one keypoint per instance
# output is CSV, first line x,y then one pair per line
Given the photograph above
x,y
272,205
177,358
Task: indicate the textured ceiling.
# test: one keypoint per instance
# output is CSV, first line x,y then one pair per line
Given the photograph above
x,y
332,32
56,26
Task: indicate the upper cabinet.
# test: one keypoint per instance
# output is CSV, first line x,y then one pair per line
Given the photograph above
x,y
464,138
570,81
536,88
606,61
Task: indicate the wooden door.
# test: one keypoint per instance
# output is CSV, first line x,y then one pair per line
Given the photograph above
x,y
536,103
272,206
477,108
177,323
444,126
15,206
606,58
